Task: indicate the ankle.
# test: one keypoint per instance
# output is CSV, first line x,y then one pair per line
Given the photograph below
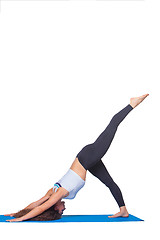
x,y
123,209
132,105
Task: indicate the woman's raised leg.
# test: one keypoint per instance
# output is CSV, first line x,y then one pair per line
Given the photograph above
x,y
91,153
104,140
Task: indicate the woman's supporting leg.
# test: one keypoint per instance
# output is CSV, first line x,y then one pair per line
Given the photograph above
x,y
99,170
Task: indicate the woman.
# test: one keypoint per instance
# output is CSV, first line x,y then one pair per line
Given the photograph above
x,y
89,158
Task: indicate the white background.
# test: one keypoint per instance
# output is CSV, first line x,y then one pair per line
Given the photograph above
x,y
66,68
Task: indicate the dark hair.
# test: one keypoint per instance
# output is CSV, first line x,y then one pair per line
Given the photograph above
x,y
47,215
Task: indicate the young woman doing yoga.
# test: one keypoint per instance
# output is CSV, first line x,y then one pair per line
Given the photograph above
x,y
89,158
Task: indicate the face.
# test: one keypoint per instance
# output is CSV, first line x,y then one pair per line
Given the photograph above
x,y
60,206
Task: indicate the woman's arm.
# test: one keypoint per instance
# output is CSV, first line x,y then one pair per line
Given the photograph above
x,y
36,203
41,200
39,209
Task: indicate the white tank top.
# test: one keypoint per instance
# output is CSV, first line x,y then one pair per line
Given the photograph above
x,y
72,182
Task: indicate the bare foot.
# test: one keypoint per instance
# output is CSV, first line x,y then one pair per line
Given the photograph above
x,y
137,100
123,213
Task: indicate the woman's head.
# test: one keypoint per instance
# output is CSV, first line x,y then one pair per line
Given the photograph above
x,y
60,206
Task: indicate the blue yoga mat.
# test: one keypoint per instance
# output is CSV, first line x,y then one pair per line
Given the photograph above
x,y
82,218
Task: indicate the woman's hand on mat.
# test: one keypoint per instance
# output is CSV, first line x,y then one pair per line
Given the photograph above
x,y
10,214
15,220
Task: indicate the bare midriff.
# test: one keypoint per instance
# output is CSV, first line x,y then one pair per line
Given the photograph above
x,y
79,169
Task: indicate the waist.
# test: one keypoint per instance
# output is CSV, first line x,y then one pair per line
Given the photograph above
x,y
78,169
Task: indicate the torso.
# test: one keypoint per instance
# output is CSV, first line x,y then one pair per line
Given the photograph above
x,y
77,168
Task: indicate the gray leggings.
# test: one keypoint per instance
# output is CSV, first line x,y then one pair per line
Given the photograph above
x,y
90,155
